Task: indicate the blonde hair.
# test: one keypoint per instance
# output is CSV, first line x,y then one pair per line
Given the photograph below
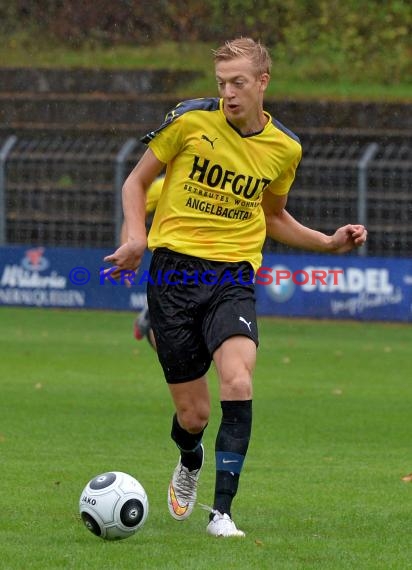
x,y
248,48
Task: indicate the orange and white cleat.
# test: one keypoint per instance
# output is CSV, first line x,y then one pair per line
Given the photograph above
x,y
182,492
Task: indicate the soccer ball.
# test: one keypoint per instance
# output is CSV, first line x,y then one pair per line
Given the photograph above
x,y
114,505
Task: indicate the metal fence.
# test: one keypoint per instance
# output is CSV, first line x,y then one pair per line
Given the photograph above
x,y
65,191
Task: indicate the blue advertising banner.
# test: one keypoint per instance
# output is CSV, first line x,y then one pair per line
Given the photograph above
x,y
302,285
335,287
65,277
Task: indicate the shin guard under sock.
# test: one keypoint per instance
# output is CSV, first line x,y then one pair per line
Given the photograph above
x,y
189,445
231,447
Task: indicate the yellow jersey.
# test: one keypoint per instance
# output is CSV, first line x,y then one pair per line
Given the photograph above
x,y
153,194
210,205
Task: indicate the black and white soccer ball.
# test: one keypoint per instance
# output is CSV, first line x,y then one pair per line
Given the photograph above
x,y
114,505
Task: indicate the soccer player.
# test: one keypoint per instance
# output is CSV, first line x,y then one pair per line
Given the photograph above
x,y
229,167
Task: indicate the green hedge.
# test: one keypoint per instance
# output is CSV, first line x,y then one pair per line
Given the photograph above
x,y
365,38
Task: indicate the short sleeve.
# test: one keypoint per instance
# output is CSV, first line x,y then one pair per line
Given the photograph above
x,y
283,183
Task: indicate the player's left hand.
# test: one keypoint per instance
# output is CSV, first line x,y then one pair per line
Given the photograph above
x,y
348,238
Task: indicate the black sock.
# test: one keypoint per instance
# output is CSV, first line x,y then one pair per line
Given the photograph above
x,y
231,447
188,443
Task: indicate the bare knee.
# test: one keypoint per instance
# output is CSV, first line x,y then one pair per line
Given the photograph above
x,y
236,386
235,360
192,403
194,419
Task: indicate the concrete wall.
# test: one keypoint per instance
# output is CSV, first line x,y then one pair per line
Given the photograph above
x,y
128,103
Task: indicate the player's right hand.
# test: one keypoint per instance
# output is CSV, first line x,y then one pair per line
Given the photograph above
x,y
127,257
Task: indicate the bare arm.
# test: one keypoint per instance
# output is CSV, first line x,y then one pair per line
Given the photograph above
x,y
129,255
283,227
123,233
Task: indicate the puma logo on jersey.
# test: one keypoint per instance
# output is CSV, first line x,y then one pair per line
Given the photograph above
x,y
243,320
210,141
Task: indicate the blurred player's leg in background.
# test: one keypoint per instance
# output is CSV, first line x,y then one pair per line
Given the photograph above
x,y
142,327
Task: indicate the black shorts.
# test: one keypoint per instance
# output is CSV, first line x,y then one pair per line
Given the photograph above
x,y
196,304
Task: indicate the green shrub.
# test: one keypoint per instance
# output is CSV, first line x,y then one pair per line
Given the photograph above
x,y
360,40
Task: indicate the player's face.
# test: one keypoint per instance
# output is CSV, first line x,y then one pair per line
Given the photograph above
x,y
241,90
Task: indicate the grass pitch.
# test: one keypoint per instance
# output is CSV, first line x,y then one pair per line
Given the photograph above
x,y
322,484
